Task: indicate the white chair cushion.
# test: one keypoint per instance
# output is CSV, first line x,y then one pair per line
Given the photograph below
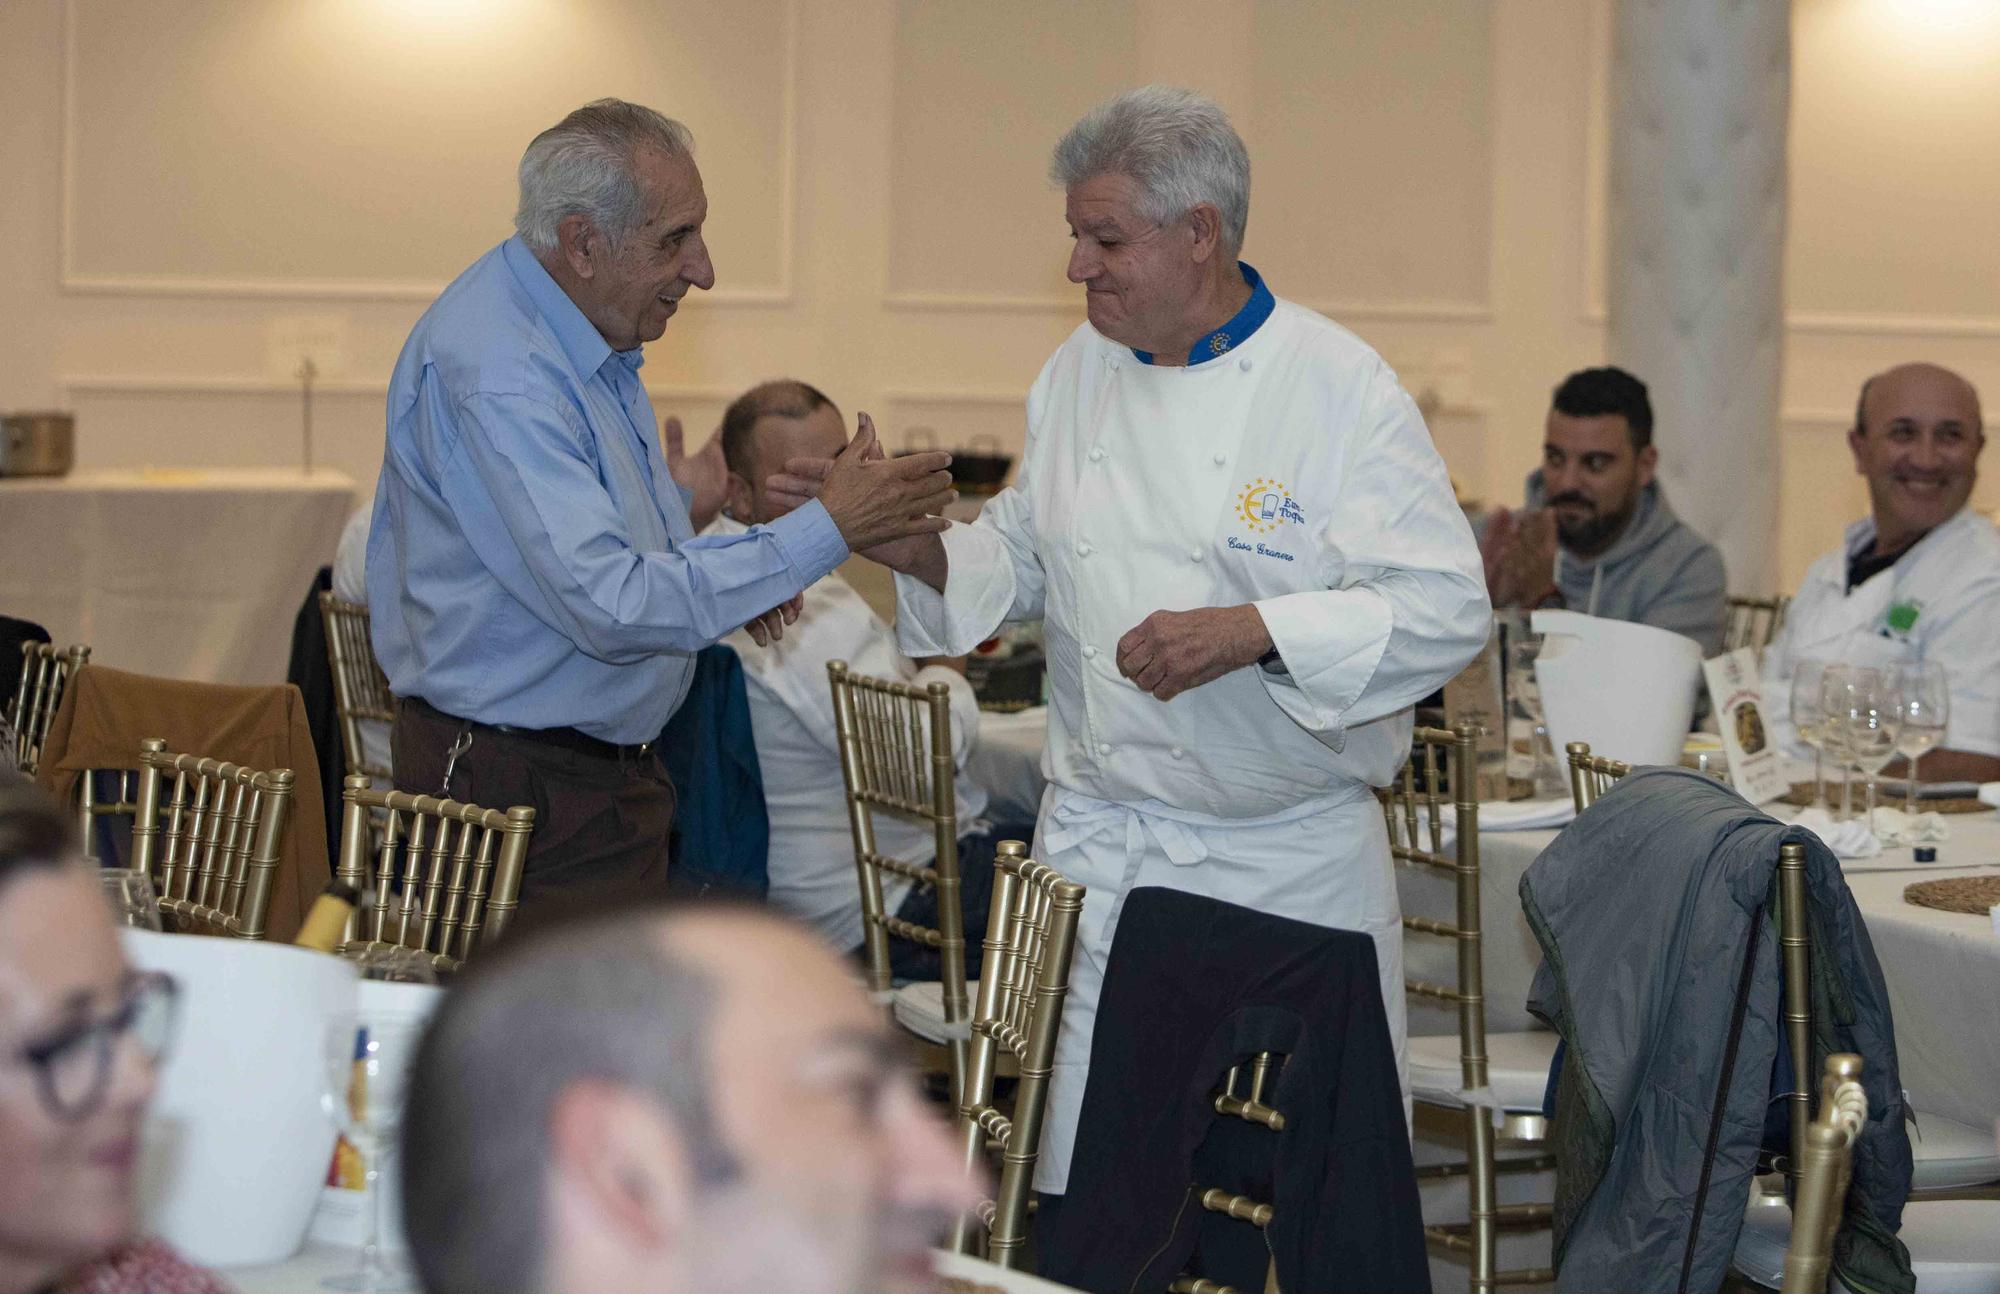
x,y
1954,1244
919,1007
1951,1154
1517,1069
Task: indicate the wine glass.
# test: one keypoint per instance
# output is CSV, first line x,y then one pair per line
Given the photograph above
x,y
1925,692
130,894
1807,717
1872,725
1834,686
367,1067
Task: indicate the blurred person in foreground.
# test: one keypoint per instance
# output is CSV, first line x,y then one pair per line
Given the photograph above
x,y
1597,535
80,1036
1918,579
702,1099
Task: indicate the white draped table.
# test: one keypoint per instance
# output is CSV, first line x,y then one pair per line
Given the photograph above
x,y
191,574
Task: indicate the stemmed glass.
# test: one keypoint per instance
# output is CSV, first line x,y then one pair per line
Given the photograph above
x,y
1808,717
130,894
1834,687
367,1069
1925,693
1872,722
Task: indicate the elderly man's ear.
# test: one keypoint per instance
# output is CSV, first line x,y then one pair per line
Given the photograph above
x,y
618,1167
738,500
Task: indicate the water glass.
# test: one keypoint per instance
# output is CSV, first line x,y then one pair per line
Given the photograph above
x,y
1807,718
1869,710
1833,697
367,1069
1925,695
129,892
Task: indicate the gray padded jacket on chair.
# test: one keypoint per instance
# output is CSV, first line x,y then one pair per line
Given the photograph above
x,y
1645,909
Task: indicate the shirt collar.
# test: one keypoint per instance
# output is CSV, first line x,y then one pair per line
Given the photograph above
x,y
1239,327
581,342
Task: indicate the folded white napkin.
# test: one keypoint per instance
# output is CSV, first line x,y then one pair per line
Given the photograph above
x,y
1850,839
1526,815
1989,793
1894,827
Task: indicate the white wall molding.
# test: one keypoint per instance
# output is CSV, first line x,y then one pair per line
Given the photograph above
x,y
230,384
393,290
1869,324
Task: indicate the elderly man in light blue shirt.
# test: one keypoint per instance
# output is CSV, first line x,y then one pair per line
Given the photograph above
x,y
537,586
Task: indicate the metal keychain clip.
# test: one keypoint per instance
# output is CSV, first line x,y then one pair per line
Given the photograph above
x,y
458,747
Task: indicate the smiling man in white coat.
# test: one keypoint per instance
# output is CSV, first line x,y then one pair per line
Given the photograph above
x,y
1245,554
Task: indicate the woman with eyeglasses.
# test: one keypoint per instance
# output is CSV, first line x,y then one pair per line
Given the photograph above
x,y
80,1035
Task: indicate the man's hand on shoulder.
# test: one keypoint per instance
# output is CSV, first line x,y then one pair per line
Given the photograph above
x,y
1171,652
705,473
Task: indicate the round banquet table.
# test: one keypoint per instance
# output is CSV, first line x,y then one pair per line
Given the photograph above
x,y
1007,761
303,1273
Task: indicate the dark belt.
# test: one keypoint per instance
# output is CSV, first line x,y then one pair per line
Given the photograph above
x,y
570,739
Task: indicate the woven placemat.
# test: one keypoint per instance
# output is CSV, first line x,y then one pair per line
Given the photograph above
x,y
1802,794
1969,894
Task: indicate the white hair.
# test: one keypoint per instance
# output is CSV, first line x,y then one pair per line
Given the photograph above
x,y
1176,145
584,165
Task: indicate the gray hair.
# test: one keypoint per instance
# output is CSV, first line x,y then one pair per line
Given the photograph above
x,y
584,165
599,998
1176,145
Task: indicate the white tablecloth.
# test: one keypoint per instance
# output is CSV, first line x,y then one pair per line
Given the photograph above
x,y
184,574
1942,968
303,1274
1007,761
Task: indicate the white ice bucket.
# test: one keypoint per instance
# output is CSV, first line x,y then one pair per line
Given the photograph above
x,y
1627,689
237,1145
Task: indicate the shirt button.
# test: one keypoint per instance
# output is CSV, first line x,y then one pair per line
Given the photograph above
x,y
1103,748
1220,459
1243,364
1195,554
1096,455
1089,652
1084,550
1177,752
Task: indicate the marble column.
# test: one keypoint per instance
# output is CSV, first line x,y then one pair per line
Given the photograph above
x,y
1700,92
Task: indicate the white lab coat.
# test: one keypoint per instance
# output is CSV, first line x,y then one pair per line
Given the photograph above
x,y
798,754
1950,578
1292,472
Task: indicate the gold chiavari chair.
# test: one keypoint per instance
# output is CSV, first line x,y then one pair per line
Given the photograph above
x,y
1023,981
360,691
896,759
1591,775
446,875
1241,1096
1482,1080
207,833
1823,1175
45,668
1753,622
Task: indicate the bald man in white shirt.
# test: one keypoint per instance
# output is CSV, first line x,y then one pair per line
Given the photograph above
x,y
791,710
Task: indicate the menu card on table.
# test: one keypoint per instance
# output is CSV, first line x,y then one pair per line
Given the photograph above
x,y
1756,768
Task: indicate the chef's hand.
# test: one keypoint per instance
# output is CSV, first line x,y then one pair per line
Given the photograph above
x,y
1172,651
704,473
770,627
921,555
1521,558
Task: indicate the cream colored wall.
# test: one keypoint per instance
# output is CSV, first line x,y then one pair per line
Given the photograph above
x,y
193,195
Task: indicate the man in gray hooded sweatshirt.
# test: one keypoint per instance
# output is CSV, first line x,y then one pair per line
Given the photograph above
x,y
1597,535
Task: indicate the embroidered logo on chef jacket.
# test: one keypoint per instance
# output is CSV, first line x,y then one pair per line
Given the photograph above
x,y
1266,505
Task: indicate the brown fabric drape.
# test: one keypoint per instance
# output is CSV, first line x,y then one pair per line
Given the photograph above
x,y
105,713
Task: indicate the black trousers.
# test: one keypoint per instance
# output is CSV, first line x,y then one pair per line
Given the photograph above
x,y
600,820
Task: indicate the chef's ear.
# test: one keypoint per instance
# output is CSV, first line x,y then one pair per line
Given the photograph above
x,y
1205,223
580,244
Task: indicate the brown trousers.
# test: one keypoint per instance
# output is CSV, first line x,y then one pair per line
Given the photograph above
x,y
601,821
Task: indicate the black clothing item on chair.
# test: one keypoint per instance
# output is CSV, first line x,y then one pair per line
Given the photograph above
x,y
1194,986
14,634
311,671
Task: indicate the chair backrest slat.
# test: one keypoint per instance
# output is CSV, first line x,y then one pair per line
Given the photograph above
x,y
1590,776
445,877
360,689
45,671
211,842
1753,622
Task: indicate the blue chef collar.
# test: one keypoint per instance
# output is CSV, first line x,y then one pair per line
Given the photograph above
x,y
1237,331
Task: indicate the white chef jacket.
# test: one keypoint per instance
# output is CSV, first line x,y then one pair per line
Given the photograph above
x,y
798,753
1950,578
1293,472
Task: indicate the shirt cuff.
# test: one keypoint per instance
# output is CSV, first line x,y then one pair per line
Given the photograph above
x,y
978,594
810,541
1331,643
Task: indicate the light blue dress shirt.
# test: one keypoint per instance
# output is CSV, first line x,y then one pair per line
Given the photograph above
x,y
531,562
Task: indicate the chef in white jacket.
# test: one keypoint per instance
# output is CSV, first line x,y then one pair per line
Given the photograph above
x,y
1246,557
1916,579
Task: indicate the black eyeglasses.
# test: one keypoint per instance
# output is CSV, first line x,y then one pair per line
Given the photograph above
x,y
73,1066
